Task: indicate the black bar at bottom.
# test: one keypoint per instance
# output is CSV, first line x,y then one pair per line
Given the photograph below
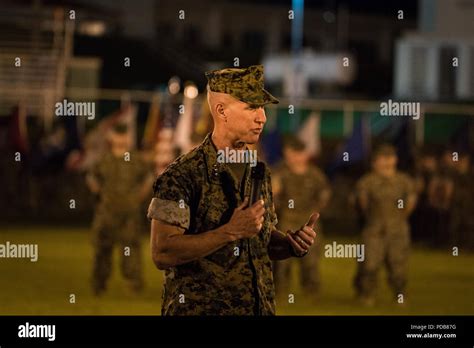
x,y
314,330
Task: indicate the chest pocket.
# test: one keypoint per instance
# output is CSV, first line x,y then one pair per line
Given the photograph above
x,y
227,256
214,211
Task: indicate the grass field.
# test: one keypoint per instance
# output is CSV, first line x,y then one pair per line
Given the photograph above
x,y
439,283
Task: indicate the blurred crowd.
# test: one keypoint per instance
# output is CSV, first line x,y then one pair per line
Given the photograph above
x,y
432,203
444,213
442,179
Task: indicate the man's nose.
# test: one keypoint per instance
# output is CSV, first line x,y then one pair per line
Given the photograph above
x,y
261,117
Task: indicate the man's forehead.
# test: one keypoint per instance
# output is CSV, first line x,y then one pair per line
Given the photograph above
x,y
230,98
244,104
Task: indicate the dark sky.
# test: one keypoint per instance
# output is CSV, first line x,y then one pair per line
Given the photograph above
x,y
364,6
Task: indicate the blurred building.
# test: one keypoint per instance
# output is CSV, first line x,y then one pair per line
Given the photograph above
x,y
181,37
214,33
437,61
37,62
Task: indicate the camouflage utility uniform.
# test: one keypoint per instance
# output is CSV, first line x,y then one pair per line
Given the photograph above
x,y
199,194
117,217
386,234
304,191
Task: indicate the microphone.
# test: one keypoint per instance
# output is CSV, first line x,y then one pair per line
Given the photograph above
x,y
256,178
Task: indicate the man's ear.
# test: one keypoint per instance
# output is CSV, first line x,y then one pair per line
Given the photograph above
x,y
220,111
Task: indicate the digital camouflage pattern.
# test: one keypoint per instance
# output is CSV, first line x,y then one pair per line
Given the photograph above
x,y
117,217
305,191
198,194
386,234
243,84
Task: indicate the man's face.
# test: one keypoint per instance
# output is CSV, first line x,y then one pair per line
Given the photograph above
x,y
244,122
385,164
119,142
295,157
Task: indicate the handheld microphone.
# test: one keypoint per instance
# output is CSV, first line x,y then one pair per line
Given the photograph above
x,y
256,178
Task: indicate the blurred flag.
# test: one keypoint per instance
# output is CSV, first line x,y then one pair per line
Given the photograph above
x,y
203,125
403,144
271,145
355,149
150,135
184,127
164,150
310,133
271,137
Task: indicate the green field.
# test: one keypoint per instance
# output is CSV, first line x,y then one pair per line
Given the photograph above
x,y
439,283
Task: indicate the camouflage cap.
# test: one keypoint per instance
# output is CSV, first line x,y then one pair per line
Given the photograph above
x,y
243,84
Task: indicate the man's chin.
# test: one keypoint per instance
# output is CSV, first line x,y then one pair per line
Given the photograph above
x,y
253,138
250,139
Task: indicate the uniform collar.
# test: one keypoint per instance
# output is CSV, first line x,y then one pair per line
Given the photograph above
x,y
214,168
210,155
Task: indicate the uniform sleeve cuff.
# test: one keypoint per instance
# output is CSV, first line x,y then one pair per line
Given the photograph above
x,y
169,212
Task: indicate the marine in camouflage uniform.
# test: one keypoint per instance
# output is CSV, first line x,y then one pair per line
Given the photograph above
x,y
296,196
122,183
197,195
387,197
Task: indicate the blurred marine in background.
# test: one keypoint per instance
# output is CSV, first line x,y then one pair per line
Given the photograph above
x,y
122,181
299,188
386,197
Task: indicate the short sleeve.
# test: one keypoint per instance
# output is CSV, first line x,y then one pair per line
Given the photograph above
x,y
171,200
